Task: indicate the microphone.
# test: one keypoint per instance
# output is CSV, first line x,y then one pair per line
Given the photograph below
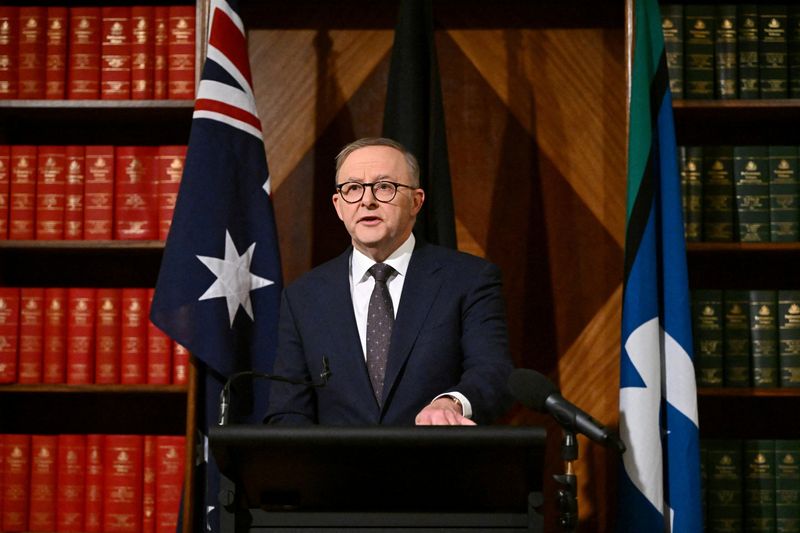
x,y
537,392
225,393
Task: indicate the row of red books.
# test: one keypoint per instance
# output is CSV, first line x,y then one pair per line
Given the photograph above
x,y
114,52
88,192
84,336
89,483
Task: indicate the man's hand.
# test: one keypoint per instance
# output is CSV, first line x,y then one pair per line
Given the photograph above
x,y
442,412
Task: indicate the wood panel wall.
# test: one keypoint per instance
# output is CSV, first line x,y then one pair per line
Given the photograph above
x,y
534,97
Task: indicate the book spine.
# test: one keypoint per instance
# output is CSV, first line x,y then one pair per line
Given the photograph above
x,y
16,482
170,464
725,485
793,47
73,193
31,50
93,510
115,53
136,216
80,335
784,192
149,485
9,21
764,337
692,176
737,339
71,493
759,485
5,185
55,336
123,476
725,57
708,334
56,53
748,51
84,53
159,351
773,51
51,181
142,52
180,364
134,336
699,51
718,194
181,47
31,327
160,51
672,28
107,336
98,209
751,172
42,510
787,485
171,160
789,337
22,192
9,333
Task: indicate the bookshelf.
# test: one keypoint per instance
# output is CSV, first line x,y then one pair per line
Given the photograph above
x,y
738,265
98,409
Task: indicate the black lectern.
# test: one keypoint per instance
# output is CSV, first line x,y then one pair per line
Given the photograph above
x,y
379,478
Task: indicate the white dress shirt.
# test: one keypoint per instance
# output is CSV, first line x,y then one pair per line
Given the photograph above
x,y
362,283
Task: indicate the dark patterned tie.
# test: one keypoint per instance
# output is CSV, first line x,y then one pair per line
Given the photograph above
x,y
380,319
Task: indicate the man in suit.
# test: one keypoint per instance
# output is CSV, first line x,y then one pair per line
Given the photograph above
x,y
428,345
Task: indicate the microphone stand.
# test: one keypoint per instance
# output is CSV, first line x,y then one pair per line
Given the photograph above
x,y
568,493
225,393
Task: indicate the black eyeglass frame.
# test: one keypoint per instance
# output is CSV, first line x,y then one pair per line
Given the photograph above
x,y
372,189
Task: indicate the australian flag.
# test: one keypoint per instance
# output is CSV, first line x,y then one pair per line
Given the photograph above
x,y
660,479
219,287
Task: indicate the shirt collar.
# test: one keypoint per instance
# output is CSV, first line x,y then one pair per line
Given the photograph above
x,y
360,263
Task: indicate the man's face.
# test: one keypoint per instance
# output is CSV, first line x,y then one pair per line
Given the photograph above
x,y
378,228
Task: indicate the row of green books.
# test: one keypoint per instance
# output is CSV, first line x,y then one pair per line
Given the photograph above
x,y
751,485
740,193
729,51
746,338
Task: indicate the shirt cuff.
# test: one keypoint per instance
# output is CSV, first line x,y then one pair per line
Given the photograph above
x,y
466,407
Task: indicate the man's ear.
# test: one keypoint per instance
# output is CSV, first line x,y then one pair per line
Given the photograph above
x,y
337,204
418,200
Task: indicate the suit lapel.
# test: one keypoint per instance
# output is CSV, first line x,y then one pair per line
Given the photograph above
x,y
340,327
420,290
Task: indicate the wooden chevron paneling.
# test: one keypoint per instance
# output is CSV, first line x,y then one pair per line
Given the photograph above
x,y
535,118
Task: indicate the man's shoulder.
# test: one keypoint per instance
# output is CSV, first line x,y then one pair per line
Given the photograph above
x,y
323,273
449,256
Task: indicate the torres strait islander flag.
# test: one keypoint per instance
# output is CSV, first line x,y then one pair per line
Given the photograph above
x,y
660,480
218,290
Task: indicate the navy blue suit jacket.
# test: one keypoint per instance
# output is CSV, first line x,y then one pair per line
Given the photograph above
x,y
449,335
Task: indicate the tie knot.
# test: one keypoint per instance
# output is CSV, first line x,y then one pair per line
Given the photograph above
x,y
381,271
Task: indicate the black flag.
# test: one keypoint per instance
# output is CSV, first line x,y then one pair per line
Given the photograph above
x,y
414,116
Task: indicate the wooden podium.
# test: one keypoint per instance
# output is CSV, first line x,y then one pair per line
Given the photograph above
x,y
379,478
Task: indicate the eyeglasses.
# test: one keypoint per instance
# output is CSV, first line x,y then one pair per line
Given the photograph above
x,y
383,191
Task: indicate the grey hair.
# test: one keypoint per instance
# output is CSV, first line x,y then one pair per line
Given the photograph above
x,y
411,161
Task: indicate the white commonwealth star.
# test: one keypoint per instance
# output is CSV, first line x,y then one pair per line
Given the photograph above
x,y
234,279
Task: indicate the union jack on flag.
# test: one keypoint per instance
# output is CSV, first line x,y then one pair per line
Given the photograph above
x,y
218,290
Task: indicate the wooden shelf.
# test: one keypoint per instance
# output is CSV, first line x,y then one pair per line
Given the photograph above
x,y
731,392
749,413
743,265
737,122
146,122
123,409
80,263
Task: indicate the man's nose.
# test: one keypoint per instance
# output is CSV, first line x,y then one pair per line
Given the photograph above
x,y
369,197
